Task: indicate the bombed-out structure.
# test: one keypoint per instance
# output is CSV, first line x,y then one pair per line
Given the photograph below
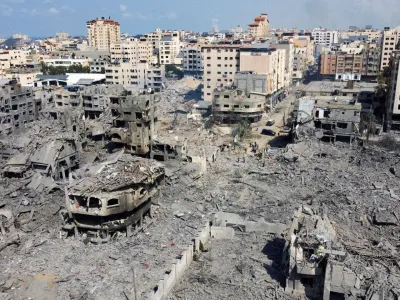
x,y
135,123
232,105
114,194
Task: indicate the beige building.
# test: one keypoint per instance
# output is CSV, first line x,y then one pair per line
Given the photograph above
x,y
132,50
169,47
102,33
192,60
260,26
393,105
269,62
141,75
221,62
390,39
12,58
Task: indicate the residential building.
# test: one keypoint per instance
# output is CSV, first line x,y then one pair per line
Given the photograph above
x,y
233,105
101,33
142,75
62,36
325,37
372,58
299,63
289,61
390,40
98,66
260,26
17,106
221,62
131,49
12,58
25,76
153,37
96,99
135,124
168,49
342,66
192,59
20,36
393,99
66,62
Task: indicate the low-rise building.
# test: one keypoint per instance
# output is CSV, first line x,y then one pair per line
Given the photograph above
x,y
232,105
66,62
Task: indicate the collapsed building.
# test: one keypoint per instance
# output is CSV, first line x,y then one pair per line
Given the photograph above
x,y
56,158
232,105
331,116
135,124
17,106
114,194
314,260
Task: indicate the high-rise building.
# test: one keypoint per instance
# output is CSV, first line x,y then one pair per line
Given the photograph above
x,y
324,37
391,38
393,99
102,33
260,26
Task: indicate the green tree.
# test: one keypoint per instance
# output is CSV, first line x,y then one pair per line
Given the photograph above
x,y
174,70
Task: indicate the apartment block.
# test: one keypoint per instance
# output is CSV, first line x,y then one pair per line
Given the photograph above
x,y
299,63
393,99
96,99
66,62
342,65
17,106
268,61
142,75
168,49
221,62
101,33
260,26
135,125
152,38
289,61
325,37
192,61
132,49
390,39
12,58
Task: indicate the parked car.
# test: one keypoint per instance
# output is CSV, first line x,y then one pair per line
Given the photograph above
x,y
268,132
270,122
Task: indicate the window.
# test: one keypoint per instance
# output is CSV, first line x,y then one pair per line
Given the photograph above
x,y
226,96
237,106
341,125
112,203
226,105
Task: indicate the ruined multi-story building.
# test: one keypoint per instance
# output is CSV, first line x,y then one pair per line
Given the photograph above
x,y
17,106
313,260
114,195
135,124
96,99
232,105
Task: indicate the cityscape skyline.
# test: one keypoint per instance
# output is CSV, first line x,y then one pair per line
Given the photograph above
x,y
45,17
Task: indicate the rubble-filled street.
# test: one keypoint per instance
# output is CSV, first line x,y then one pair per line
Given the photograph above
x,y
45,257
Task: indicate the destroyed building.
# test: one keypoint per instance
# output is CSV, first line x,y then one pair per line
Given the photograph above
x,y
17,106
114,194
56,158
135,124
96,99
233,105
313,260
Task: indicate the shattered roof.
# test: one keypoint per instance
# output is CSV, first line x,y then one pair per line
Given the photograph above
x,y
50,152
122,172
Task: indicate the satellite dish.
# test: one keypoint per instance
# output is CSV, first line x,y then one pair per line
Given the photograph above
x,y
319,134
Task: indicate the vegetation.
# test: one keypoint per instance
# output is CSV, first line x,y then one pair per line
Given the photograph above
x,y
389,142
172,69
59,70
242,130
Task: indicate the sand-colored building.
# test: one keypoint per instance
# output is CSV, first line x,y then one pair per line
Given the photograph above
x,y
101,33
260,26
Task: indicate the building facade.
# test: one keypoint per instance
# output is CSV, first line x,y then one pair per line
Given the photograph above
x,y
325,37
390,39
192,61
101,33
260,26
342,65
169,47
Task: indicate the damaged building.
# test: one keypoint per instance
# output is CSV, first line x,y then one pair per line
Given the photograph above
x,y
313,260
113,194
17,106
96,99
232,105
56,158
135,124
332,116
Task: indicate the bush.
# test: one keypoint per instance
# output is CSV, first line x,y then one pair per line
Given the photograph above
x,y
389,142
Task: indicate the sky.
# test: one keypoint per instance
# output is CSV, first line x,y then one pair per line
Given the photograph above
x,y
42,18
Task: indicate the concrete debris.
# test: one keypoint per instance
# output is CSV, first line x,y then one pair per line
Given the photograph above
x,y
269,219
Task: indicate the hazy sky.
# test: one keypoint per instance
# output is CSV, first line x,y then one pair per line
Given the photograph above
x,y
41,18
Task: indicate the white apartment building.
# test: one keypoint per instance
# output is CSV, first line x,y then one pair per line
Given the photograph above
x,y
66,62
132,50
221,62
140,75
393,105
325,37
101,33
12,58
390,39
192,59
168,49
